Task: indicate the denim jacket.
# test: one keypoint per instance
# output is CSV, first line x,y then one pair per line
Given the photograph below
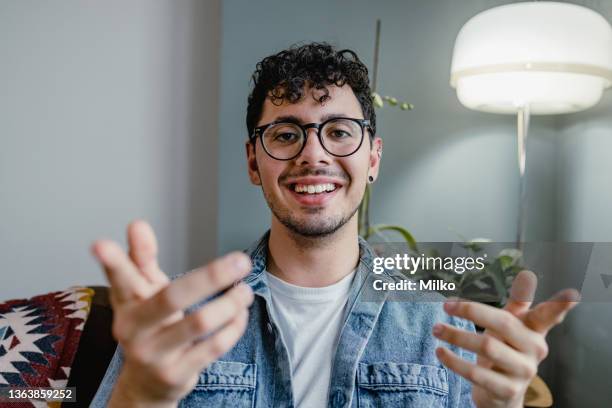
x,y
384,357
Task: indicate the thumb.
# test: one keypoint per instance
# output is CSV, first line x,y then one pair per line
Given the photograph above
x,y
522,292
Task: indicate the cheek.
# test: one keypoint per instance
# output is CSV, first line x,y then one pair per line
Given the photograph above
x,y
358,169
357,172
270,173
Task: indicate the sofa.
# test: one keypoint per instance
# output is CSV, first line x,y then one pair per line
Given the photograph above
x,y
56,340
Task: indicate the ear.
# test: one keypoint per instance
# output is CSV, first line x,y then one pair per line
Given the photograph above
x,y
252,163
375,155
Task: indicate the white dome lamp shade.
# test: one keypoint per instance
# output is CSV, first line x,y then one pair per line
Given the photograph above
x,y
537,58
554,57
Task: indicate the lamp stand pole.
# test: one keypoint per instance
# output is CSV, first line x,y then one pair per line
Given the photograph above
x,y
522,131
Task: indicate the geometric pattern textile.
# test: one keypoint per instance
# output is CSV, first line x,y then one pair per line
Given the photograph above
x,y
39,338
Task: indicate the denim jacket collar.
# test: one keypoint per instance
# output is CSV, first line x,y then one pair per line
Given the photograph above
x,y
258,251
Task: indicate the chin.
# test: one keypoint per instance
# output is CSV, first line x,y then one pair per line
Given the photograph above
x,y
313,230
319,224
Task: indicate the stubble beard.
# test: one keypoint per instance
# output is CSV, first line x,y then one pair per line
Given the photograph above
x,y
314,228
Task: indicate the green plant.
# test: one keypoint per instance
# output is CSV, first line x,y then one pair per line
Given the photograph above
x,y
379,101
490,284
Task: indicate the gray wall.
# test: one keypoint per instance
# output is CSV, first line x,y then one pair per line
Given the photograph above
x,y
585,205
581,368
108,112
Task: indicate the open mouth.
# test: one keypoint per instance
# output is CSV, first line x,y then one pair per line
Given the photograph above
x,y
313,189
313,194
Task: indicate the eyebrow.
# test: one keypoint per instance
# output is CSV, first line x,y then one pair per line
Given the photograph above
x,y
296,119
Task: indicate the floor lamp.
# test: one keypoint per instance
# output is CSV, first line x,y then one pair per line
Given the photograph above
x,y
532,58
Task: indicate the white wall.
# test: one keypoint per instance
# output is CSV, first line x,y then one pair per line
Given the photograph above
x,y
108,112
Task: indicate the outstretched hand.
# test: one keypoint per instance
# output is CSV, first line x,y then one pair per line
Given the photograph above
x,y
163,349
512,345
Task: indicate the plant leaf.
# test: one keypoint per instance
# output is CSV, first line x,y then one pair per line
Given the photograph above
x,y
377,100
402,231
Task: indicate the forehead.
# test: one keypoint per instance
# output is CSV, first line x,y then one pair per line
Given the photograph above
x,y
342,101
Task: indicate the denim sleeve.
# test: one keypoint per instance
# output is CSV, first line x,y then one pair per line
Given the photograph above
x,y
465,395
108,382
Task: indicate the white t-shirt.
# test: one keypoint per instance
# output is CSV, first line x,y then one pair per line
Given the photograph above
x,y
309,320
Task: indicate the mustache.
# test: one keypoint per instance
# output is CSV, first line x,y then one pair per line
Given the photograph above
x,y
315,172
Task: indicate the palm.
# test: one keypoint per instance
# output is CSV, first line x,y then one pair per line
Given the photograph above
x,y
539,319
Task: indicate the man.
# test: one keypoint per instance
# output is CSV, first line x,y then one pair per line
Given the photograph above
x,y
298,331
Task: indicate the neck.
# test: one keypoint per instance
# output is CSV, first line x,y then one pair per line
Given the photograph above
x,y
312,261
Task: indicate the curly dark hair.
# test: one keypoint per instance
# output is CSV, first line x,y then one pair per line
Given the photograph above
x,y
283,76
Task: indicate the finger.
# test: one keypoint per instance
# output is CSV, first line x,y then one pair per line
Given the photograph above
x,y
143,251
507,326
484,362
497,384
123,276
208,319
200,355
550,313
522,292
193,287
500,354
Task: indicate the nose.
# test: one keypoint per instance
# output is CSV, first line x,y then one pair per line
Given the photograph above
x,y
313,152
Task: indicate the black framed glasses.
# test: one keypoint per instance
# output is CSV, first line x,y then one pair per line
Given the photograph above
x,y
285,140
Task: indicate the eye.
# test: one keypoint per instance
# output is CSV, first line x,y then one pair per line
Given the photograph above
x,y
285,137
340,134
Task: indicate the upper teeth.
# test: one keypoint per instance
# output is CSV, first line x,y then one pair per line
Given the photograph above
x,y
314,188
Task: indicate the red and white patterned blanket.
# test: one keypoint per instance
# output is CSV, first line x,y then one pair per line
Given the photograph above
x,y
39,338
